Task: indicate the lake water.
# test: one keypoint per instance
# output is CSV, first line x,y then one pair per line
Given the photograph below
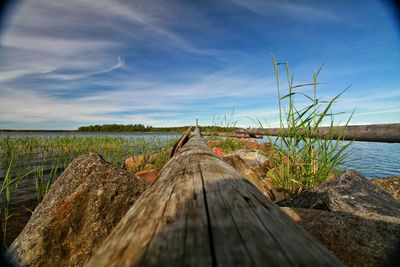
x,y
372,159
72,134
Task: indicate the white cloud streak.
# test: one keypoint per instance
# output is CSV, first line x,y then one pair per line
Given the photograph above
x,y
73,45
298,11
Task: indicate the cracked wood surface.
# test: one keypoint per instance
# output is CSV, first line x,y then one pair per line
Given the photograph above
x,y
201,212
389,132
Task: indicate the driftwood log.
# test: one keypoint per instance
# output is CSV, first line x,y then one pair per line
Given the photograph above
x,y
201,212
389,133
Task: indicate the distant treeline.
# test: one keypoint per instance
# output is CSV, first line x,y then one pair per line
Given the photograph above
x,y
143,128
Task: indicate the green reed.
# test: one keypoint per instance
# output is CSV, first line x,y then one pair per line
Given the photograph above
x,y
302,155
42,159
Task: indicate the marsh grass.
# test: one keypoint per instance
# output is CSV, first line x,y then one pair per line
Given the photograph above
x,y
227,122
228,144
303,157
42,159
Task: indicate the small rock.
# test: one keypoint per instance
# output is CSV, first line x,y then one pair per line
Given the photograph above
x,y
251,155
148,175
269,164
133,162
246,171
254,159
279,194
218,151
249,143
265,147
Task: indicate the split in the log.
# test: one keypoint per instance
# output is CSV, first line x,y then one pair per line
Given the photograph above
x,y
389,133
181,141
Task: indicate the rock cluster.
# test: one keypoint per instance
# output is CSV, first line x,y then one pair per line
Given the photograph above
x,y
145,166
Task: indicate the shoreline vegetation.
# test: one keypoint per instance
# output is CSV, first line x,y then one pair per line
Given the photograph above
x,y
128,128
131,128
387,132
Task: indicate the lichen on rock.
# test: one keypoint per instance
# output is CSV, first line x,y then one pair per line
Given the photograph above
x,y
77,214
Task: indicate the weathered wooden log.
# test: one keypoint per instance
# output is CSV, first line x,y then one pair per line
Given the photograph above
x,y
233,134
389,133
202,212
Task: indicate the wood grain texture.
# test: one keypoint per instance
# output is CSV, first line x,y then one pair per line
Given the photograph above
x,y
201,212
389,133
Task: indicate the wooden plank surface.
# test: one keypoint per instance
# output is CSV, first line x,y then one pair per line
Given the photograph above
x,y
389,133
201,212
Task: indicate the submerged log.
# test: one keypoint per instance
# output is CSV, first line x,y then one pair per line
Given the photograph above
x,y
389,133
202,212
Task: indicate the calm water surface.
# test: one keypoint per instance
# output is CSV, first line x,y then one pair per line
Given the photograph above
x,y
372,159
72,134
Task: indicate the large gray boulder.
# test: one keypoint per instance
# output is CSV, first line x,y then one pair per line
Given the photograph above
x,y
348,192
353,218
78,213
358,239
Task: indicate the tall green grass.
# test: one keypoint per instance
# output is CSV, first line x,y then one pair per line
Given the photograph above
x,y
227,122
42,159
304,157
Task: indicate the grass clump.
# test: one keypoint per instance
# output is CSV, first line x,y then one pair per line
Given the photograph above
x,y
302,155
227,144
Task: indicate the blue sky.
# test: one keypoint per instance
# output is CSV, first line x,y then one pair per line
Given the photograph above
x,y
68,63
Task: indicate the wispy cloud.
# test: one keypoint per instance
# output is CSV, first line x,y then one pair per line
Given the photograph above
x,y
298,11
52,74
69,63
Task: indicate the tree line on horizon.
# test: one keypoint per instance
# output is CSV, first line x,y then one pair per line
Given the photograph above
x,y
143,128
